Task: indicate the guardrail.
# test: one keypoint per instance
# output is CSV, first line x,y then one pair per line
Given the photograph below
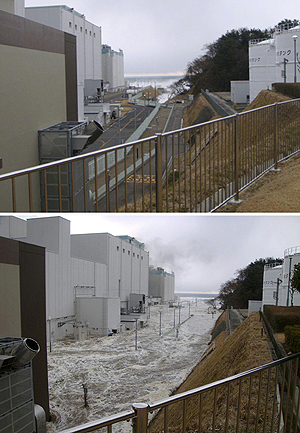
x,y
264,399
206,165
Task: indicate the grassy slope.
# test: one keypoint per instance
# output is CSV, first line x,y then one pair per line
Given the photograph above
x,y
243,350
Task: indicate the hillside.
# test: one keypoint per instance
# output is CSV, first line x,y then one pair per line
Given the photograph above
x,y
246,348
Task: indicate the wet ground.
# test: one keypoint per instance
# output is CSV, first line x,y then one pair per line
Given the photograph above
x,y
117,375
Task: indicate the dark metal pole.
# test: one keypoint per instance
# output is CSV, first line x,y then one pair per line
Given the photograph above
x,y
277,290
289,280
50,342
108,177
136,346
295,58
160,323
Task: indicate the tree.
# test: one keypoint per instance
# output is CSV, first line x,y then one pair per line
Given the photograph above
x,y
287,24
246,286
295,282
224,60
212,303
227,59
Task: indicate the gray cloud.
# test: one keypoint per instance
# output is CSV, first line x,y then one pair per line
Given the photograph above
x,y
203,250
163,36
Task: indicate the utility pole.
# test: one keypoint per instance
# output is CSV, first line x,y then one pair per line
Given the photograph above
x,y
160,323
136,345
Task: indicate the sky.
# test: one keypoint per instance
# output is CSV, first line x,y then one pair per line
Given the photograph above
x,y
162,36
204,251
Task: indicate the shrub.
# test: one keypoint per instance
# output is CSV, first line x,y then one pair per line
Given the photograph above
x,y
292,338
288,89
280,317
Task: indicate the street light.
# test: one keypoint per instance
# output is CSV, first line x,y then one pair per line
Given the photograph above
x,y
295,57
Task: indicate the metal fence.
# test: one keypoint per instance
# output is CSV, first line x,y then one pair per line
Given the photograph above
x,y
264,399
194,169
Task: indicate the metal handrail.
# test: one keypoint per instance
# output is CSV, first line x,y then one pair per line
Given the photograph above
x,y
103,422
140,411
214,161
73,159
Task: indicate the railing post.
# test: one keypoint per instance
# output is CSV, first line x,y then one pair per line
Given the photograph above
x,y
140,421
158,171
236,157
276,136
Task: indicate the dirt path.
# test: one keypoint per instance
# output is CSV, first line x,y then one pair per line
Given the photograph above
x,y
276,191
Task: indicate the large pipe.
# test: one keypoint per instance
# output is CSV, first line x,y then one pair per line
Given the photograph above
x,y
25,352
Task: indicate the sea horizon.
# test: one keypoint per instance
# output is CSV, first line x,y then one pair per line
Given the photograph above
x,y
205,295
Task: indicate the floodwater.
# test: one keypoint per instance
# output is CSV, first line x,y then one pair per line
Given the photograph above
x,y
117,374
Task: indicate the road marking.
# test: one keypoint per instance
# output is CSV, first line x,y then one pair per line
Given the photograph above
x,y
139,178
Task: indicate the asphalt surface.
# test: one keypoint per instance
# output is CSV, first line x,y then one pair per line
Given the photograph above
x,y
120,129
143,181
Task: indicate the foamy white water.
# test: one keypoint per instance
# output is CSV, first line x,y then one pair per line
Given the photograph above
x,y
117,375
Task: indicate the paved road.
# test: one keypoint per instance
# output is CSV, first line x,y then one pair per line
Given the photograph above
x,y
236,318
135,189
128,123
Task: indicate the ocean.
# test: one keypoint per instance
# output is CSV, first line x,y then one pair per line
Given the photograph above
x,y
197,295
160,81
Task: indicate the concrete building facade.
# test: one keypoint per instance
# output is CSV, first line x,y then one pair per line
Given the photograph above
x,y
275,60
81,269
113,67
88,43
161,284
22,290
38,88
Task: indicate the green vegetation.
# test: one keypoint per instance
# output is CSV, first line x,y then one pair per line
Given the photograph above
x,y
292,338
280,317
247,285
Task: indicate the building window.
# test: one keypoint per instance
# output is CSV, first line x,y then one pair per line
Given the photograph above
x,y
94,35
142,257
129,253
133,254
118,248
124,250
86,31
70,24
90,33
138,256
75,26
81,29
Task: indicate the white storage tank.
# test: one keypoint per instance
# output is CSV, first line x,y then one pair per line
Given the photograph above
x,y
272,277
262,67
291,258
285,50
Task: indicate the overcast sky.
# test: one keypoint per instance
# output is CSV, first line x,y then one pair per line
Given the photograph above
x,y
204,251
162,36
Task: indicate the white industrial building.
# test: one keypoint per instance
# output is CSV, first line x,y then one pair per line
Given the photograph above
x,y
277,282
274,60
161,284
90,278
113,67
88,44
